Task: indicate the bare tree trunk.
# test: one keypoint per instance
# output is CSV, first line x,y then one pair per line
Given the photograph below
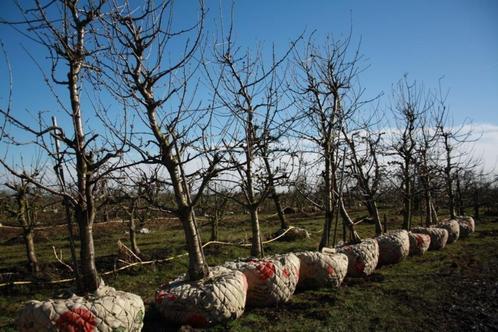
x,y
407,196
214,226
428,208
461,209
133,234
198,267
348,222
30,250
281,215
25,217
434,213
89,276
374,214
476,205
329,200
449,178
274,195
256,245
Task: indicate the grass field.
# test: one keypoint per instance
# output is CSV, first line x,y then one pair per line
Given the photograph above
x,y
452,289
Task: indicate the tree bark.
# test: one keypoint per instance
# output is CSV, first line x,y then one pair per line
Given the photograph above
x,y
449,178
407,196
274,195
133,234
90,280
25,216
256,244
214,226
198,267
348,222
374,214
476,205
461,209
30,250
329,199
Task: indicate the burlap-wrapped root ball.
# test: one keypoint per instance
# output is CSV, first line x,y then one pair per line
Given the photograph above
x,y
271,280
467,225
419,243
321,269
453,229
106,310
362,257
217,298
439,236
393,247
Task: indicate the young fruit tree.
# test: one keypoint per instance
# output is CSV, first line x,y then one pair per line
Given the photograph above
x,y
157,80
324,91
253,94
67,31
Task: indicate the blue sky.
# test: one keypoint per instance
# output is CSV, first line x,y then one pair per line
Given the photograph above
x,y
454,39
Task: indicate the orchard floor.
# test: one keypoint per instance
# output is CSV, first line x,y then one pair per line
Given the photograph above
x,y
455,289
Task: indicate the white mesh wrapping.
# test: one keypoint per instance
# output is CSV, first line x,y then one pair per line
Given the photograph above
x,y
362,257
393,247
439,236
271,280
419,243
218,298
321,270
467,225
106,310
453,229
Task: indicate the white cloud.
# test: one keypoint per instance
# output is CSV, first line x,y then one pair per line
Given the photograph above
x,y
486,147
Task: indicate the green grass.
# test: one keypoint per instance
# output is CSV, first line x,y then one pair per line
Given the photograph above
x,y
432,292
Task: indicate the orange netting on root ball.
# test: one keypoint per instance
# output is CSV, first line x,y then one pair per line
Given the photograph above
x,y
439,236
393,247
419,243
106,310
217,298
321,269
271,280
362,257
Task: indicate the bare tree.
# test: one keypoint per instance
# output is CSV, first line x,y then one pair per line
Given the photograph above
x,y
160,89
325,93
67,31
410,101
366,168
216,206
253,93
428,157
454,160
25,213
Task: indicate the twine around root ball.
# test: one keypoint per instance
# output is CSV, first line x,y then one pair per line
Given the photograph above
x,y
362,257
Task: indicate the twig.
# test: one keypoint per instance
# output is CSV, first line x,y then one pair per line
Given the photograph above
x,y
59,259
